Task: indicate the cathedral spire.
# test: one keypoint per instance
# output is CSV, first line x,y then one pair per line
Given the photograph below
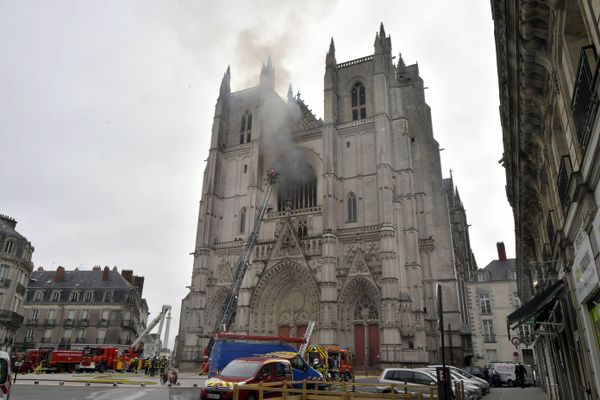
x,y
290,95
267,74
225,83
382,35
401,64
330,59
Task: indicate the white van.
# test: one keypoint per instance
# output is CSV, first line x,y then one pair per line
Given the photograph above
x,y
506,371
5,377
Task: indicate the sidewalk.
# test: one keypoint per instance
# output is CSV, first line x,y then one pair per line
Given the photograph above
x,y
516,393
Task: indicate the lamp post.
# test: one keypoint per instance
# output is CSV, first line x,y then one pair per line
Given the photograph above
x,y
443,372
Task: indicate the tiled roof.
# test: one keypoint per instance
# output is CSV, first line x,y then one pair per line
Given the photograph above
x,y
78,279
498,270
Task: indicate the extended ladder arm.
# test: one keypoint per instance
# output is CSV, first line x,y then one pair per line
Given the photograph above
x,y
160,317
227,314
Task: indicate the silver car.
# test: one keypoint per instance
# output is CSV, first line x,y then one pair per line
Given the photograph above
x,y
465,376
472,391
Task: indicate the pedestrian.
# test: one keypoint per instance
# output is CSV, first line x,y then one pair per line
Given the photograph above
x,y
486,374
520,372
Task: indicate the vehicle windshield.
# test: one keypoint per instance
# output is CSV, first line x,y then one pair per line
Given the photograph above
x,y
463,374
241,369
3,370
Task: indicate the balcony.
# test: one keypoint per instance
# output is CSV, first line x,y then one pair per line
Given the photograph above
x,y
32,321
490,338
584,103
28,340
46,339
11,318
4,282
80,340
562,182
126,323
103,322
20,289
84,322
50,322
69,322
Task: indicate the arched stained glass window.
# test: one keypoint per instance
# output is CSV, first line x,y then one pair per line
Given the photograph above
x,y
351,207
359,102
246,128
366,309
243,220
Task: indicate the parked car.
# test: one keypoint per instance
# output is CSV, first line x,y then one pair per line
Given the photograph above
x,y
5,376
474,387
418,380
246,371
462,375
478,372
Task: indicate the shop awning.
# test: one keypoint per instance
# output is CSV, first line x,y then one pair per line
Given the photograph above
x,y
529,311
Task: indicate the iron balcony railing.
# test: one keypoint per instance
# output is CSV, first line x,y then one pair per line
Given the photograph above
x,y
103,322
32,321
84,322
562,182
584,103
550,230
46,339
80,340
50,322
4,282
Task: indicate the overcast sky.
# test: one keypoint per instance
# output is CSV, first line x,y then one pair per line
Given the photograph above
x,y
106,109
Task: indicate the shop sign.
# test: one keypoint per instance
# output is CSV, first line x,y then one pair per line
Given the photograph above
x,y
584,267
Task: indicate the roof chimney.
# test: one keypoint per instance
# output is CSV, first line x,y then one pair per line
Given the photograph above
x,y
128,275
105,273
501,251
96,268
139,283
59,276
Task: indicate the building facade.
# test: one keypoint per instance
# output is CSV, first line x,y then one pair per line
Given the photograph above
x,y
15,268
357,234
547,57
492,296
78,308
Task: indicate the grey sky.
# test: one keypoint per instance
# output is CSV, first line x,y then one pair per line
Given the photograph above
x,y
106,111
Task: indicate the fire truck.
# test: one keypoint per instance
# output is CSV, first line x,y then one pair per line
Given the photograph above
x,y
50,360
98,358
333,361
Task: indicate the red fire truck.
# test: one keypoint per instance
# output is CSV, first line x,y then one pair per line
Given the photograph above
x,y
99,358
50,360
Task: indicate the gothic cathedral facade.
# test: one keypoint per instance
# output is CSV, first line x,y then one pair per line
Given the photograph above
x,y
357,233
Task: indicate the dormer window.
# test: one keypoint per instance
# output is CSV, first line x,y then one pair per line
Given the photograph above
x,y
74,296
89,297
107,297
246,128
359,102
55,297
38,295
9,246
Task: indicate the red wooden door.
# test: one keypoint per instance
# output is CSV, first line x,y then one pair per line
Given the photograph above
x,y
359,344
301,331
373,344
284,331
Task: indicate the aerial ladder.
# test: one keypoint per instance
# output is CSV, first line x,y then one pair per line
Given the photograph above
x,y
227,314
160,318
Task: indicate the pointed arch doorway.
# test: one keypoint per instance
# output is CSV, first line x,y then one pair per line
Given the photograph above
x,y
366,332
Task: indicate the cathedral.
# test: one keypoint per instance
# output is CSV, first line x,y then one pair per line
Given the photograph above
x,y
357,233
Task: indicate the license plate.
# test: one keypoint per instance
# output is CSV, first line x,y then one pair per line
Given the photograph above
x,y
213,396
